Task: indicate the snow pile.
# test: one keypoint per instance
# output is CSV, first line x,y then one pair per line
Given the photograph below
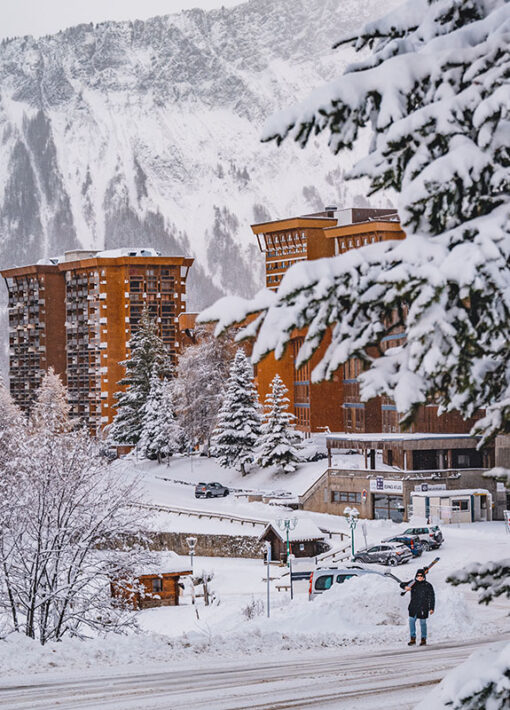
x,y
367,609
484,668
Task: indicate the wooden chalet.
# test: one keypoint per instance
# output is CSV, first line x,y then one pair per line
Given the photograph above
x,y
306,540
156,588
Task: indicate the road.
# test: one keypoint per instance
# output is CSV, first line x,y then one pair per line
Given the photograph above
x,y
350,678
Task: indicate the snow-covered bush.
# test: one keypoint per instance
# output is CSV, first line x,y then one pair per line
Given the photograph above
x,y
280,445
253,609
239,420
435,94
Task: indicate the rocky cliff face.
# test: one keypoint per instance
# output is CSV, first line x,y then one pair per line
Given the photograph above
x,y
147,133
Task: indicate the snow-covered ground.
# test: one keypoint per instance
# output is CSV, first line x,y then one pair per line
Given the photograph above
x,y
364,613
174,486
359,613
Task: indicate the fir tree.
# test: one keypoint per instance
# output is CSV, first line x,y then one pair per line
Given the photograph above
x,y
279,445
148,356
239,419
161,435
434,91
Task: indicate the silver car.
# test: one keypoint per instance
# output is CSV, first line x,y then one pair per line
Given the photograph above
x,y
323,579
386,553
211,490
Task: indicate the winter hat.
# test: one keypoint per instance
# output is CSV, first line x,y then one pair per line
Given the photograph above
x,y
419,571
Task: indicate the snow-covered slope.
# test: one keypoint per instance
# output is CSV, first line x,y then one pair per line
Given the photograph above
x,y
148,133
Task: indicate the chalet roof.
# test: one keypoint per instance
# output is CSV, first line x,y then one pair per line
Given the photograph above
x,y
305,530
165,563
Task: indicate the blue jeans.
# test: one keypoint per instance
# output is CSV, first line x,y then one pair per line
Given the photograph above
x,y
412,627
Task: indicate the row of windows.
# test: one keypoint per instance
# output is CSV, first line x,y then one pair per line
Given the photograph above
x,y
345,244
345,497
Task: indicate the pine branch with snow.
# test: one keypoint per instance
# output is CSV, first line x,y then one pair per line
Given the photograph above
x,y
239,420
278,445
435,94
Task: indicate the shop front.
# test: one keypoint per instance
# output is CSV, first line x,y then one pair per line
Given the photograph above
x,y
387,499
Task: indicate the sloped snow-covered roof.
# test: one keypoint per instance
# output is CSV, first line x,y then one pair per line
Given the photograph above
x,y
305,529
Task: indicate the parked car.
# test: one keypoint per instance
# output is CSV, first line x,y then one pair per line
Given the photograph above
x,y
388,553
430,537
413,542
323,579
211,490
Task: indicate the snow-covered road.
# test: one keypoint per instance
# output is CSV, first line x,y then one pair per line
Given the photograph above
x,y
351,679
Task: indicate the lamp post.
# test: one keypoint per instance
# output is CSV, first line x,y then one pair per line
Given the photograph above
x,y
288,524
352,515
191,542
268,568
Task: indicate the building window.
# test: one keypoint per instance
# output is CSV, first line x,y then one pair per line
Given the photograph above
x,y
462,505
345,497
157,585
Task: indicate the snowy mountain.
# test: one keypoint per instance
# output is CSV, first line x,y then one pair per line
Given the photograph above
x,y
147,133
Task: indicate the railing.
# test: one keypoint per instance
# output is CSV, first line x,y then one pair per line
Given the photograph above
x,y
203,514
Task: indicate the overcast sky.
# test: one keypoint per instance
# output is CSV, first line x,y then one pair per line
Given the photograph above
x,y
40,17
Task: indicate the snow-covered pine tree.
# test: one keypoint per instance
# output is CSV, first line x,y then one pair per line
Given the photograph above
x,y
161,435
239,419
435,94
51,408
202,373
278,445
148,355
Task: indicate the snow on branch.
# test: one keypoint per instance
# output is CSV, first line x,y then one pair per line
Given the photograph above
x,y
435,95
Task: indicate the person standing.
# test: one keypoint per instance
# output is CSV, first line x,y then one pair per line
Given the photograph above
x,y
421,605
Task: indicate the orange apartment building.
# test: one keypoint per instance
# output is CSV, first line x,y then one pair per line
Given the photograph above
x,y
77,315
335,405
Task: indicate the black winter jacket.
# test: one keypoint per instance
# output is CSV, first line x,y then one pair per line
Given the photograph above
x,y
422,599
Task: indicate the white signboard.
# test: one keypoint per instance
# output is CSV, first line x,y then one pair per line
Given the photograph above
x,y
506,513
385,485
423,487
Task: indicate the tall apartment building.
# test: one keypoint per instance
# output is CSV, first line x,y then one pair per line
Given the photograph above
x,y
335,405
77,314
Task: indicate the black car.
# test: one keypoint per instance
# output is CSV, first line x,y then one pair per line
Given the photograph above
x,y
211,490
410,541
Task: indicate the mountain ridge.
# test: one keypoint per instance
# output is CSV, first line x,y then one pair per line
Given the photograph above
x,y
147,133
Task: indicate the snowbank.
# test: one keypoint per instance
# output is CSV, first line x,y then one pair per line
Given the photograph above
x,y
365,611
368,609
484,667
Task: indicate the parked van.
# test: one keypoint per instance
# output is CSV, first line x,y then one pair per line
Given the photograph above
x,y
323,579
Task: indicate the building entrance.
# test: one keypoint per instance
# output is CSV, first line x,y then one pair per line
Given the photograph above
x,y
389,506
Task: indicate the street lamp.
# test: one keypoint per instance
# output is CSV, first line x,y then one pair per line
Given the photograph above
x,y
191,542
288,524
351,515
